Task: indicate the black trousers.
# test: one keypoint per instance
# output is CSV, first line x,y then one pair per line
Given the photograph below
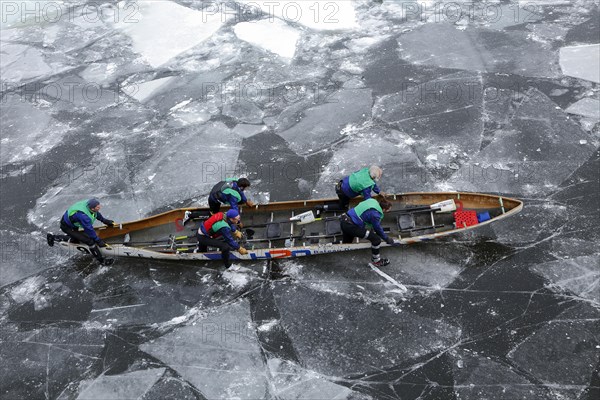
x,y
205,241
81,237
76,235
214,205
343,199
350,230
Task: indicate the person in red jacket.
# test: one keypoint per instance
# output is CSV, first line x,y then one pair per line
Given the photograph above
x,y
220,231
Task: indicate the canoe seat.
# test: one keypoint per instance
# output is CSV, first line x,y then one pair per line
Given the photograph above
x,y
406,222
333,226
273,230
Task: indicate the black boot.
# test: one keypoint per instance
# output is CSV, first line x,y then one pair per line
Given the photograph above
x,y
50,239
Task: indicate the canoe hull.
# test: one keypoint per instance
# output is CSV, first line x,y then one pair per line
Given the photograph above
x,y
265,248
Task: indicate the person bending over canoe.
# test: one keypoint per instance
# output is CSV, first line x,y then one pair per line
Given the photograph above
x,y
219,231
229,191
363,221
77,222
359,183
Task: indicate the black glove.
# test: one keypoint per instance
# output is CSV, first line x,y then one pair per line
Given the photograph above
x,y
109,222
101,243
389,240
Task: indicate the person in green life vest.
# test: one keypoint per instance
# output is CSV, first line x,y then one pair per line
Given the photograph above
x,y
361,182
363,221
230,191
77,222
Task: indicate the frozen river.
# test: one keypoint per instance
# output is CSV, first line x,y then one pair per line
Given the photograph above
x,y
146,104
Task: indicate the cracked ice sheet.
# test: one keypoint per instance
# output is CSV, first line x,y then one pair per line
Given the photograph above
x,y
39,363
422,268
532,155
393,151
562,353
204,152
290,381
353,337
322,125
43,131
476,377
445,46
219,354
181,28
579,275
131,385
448,110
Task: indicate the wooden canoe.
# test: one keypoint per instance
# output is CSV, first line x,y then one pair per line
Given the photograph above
x,y
273,235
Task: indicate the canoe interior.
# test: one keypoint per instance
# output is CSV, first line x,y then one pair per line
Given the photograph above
x,y
268,226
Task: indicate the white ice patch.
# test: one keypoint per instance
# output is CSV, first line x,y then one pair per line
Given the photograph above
x,y
581,62
21,63
586,107
161,30
100,73
143,92
131,385
271,35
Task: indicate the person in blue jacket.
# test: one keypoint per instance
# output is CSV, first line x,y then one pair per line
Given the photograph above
x,y
360,183
364,221
231,192
219,231
78,223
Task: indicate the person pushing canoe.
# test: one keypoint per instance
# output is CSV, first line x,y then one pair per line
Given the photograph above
x,y
364,221
229,191
362,182
219,231
78,223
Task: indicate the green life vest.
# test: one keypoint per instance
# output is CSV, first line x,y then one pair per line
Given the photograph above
x,y
361,180
217,226
227,188
83,207
367,205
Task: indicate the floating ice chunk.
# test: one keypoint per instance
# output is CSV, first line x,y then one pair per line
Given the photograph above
x,y
290,381
132,385
246,131
20,63
586,107
222,344
244,111
272,35
362,45
317,14
161,30
579,275
442,45
144,91
561,351
536,124
581,62
100,73
323,123
26,130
